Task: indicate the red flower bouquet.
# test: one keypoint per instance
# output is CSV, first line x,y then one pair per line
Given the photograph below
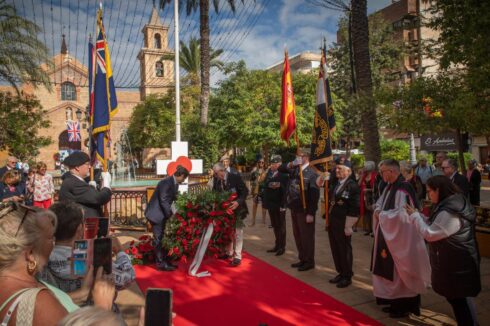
x,y
141,252
194,213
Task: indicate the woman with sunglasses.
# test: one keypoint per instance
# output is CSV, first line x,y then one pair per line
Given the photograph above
x,y
26,241
453,250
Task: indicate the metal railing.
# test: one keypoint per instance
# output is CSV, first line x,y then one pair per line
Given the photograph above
x,y
127,207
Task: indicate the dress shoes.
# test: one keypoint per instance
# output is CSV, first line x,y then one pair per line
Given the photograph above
x,y
336,279
167,267
224,256
280,252
298,264
306,267
344,283
272,250
235,262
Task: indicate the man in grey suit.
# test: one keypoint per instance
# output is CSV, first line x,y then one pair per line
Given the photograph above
x,y
159,210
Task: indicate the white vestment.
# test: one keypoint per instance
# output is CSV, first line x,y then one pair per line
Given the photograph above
x,y
407,247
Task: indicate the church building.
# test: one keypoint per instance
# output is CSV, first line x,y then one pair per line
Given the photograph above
x,y
69,98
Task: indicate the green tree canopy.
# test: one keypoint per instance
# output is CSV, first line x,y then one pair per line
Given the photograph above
x,y
21,53
21,117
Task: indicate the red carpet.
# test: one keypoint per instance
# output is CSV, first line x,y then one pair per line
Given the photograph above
x,y
252,294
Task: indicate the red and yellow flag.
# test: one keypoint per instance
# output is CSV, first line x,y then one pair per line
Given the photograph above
x,y
288,112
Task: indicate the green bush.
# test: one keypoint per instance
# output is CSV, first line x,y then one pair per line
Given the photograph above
x,y
454,156
357,160
395,149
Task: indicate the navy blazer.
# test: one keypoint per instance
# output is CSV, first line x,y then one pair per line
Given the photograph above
x,y
91,199
159,207
234,183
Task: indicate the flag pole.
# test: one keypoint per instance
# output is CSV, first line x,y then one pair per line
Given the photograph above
x,y
301,184
325,195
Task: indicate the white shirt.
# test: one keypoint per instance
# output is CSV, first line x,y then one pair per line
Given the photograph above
x,y
444,225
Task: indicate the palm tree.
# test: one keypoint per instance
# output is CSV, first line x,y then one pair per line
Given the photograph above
x,y
190,57
21,53
191,5
364,83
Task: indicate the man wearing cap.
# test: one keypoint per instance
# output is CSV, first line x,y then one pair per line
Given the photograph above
x,y
343,213
75,188
303,218
274,198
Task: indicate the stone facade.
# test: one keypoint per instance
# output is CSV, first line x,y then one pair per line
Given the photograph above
x,y
67,71
303,62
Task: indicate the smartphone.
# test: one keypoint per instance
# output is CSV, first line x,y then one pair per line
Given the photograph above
x,y
81,257
103,254
158,307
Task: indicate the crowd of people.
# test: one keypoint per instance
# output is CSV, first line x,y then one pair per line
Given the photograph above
x,y
411,251
37,240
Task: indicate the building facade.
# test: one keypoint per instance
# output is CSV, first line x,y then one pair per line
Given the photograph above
x,y
70,95
303,62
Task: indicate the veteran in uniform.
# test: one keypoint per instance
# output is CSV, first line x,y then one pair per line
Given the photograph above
x,y
274,199
343,213
75,188
303,218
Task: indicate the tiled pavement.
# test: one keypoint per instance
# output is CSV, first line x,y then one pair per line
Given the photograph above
x,y
435,309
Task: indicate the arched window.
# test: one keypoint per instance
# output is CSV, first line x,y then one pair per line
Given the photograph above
x,y
68,92
159,69
158,41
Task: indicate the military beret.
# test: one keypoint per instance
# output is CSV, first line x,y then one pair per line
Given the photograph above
x,y
305,151
76,159
276,159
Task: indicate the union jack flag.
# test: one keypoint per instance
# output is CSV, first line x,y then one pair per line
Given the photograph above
x,y
73,128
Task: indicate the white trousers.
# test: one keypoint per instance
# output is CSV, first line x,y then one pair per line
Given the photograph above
x,y
235,247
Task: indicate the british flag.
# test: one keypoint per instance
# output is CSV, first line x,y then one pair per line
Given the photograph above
x,y
73,128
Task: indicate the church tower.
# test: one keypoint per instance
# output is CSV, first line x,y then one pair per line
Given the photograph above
x,y
156,59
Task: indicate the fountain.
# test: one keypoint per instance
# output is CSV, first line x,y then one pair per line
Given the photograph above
x,y
124,170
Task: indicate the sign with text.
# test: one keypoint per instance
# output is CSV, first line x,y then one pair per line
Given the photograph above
x,y
440,142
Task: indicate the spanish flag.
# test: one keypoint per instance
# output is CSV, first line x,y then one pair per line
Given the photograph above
x,y
105,102
288,113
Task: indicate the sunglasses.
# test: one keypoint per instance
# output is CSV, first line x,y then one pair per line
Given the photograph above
x,y
11,206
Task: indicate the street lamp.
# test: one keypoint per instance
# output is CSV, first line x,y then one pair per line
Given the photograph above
x,y
78,113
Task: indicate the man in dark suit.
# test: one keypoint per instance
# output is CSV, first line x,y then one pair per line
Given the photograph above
x,y
226,181
274,199
303,218
75,188
159,210
450,169
343,213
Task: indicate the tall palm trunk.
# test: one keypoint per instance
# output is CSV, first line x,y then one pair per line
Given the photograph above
x,y
362,63
204,31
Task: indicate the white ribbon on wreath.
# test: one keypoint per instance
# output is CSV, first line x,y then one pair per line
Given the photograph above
x,y
201,251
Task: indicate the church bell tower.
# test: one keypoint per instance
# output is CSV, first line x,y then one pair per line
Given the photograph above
x,y
156,58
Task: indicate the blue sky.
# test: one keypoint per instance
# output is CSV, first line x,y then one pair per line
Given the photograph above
x,y
256,33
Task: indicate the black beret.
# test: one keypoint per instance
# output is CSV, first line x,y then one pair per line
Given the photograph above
x,y
276,159
76,159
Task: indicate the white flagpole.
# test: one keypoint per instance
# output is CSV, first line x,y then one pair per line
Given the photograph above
x,y
177,72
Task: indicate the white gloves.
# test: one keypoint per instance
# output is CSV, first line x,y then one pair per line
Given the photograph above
x,y
310,218
106,180
93,184
297,161
349,222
